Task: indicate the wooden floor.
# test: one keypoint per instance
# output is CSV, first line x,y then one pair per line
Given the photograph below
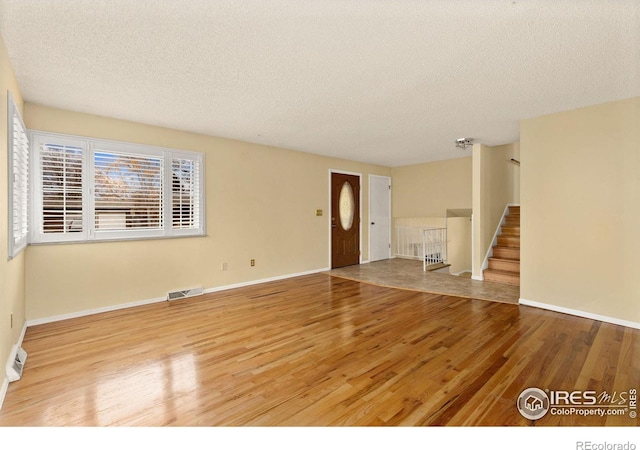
x,y
316,350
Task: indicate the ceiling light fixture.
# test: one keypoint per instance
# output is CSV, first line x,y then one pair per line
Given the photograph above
x,y
463,143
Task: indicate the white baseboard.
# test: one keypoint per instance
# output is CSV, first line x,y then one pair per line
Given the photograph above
x,y
576,312
3,390
89,312
5,380
263,280
480,278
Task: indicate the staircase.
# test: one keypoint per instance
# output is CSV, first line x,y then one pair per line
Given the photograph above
x,y
504,265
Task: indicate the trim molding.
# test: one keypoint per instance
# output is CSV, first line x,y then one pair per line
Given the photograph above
x,y
5,380
263,280
579,313
89,312
3,390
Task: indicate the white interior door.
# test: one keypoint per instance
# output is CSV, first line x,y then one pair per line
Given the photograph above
x,y
379,218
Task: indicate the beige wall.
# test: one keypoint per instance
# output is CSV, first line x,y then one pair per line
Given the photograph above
x,y
260,201
421,195
12,296
580,220
428,190
496,184
459,244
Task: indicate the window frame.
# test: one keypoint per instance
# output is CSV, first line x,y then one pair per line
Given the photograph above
x,y
37,235
18,208
90,147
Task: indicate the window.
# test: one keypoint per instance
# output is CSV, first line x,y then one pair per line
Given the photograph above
x,y
18,162
89,189
61,169
184,194
128,191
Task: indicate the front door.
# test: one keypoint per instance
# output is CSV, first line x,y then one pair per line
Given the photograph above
x,y
345,220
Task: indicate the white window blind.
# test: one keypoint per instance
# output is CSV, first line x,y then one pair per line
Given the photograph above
x,y
128,191
18,162
185,193
62,190
89,189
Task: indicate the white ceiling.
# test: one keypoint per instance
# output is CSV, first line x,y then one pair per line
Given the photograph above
x,y
391,82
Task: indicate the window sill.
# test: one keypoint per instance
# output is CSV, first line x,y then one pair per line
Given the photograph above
x,y
130,239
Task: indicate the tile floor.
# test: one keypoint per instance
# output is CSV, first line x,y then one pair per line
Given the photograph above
x,y
408,274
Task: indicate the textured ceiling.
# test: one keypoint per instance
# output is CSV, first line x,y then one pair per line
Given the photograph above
x,y
380,81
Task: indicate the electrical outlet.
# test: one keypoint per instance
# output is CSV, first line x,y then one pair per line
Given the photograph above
x,y
224,266
253,262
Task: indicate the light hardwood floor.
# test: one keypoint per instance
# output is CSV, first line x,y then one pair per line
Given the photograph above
x,y
316,350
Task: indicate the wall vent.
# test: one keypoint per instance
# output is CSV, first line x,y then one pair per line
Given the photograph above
x,y
177,295
15,365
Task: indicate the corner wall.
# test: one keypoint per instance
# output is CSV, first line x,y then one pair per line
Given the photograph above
x,y
421,195
260,204
496,183
580,220
12,273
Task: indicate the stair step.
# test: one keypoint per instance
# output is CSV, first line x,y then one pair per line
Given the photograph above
x,y
508,265
511,230
436,266
509,241
504,265
501,276
512,253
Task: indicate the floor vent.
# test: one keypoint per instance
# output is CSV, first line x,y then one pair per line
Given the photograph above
x,y
16,363
177,295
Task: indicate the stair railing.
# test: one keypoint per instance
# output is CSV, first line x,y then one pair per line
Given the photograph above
x,y
408,242
434,246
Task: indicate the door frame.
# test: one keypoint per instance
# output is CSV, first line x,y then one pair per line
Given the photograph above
x,y
343,172
390,216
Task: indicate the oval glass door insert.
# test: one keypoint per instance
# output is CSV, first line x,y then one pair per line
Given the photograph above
x,y
346,206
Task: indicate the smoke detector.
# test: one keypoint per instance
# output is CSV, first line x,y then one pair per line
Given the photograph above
x,y
464,143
